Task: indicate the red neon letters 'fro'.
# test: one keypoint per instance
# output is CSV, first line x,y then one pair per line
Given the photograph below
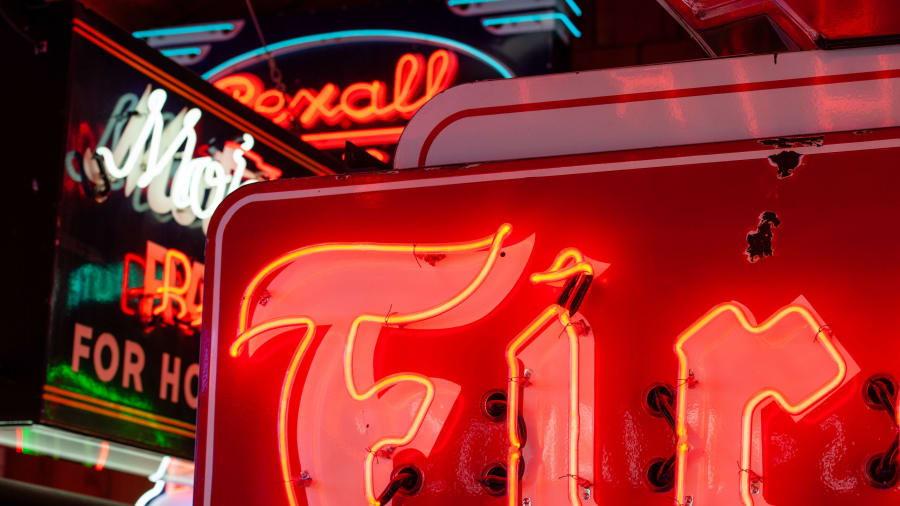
x,y
729,367
361,102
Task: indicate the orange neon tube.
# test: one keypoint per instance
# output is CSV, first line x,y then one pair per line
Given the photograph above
x,y
286,388
402,248
751,405
495,242
113,414
102,456
271,171
360,102
512,416
364,137
128,293
174,292
397,378
556,271
119,407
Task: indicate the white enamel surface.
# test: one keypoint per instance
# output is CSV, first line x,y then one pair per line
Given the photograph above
x,y
724,116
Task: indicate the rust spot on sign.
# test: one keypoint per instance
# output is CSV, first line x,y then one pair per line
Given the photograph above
x,y
759,243
786,162
794,142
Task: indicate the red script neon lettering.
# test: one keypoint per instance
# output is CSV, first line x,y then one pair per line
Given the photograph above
x,y
360,102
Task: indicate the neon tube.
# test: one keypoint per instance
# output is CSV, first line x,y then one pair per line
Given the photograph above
x,y
159,483
379,155
360,102
402,248
183,30
170,292
753,403
181,51
368,137
102,456
349,36
271,171
526,18
557,273
562,316
119,407
113,414
495,242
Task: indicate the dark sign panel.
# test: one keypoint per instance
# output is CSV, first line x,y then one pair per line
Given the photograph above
x,y
150,152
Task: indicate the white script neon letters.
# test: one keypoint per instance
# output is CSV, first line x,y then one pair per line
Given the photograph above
x,y
147,150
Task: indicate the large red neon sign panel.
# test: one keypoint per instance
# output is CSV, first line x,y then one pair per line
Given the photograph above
x,y
487,335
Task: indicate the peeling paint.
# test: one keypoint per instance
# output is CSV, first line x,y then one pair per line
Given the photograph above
x,y
786,161
759,243
794,142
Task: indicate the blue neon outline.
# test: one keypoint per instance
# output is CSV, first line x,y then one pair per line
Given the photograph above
x,y
574,6
182,30
341,37
181,51
533,17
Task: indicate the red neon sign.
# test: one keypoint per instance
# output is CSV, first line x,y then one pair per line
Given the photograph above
x,y
416,81
173,299
342,298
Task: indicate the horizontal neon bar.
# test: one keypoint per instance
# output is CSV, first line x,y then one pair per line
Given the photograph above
x,y
181,51
525,18
182,30
116,414
367,137
119,407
